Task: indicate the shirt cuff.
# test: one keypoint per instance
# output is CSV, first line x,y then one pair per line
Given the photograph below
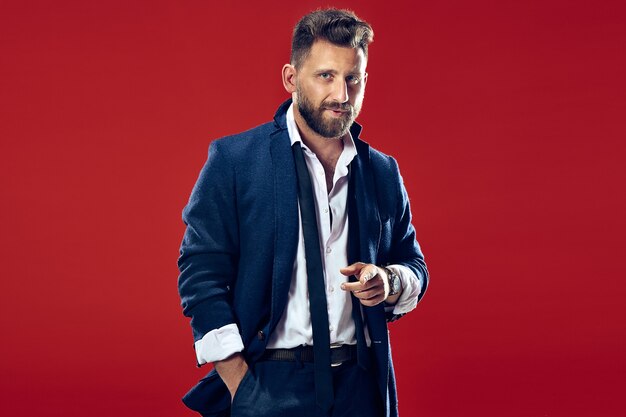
x,y
218,344
411,288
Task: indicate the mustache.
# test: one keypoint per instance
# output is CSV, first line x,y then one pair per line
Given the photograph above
x,y
333,105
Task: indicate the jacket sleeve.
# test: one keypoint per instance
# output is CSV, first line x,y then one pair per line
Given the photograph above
x,y
209,250
405,250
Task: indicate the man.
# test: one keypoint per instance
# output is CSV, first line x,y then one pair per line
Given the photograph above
x,y
299,247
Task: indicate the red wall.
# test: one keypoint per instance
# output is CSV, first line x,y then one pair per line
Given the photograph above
x,y
507,119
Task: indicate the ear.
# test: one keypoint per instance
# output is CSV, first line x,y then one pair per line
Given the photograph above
x,y
364,79
289,78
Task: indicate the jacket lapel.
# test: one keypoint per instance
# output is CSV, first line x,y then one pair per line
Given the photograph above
x,y
285,218
366,218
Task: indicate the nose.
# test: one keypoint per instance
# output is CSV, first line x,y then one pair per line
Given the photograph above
x,y
340,90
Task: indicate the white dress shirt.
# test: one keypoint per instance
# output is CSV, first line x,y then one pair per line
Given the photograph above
x,y
294,327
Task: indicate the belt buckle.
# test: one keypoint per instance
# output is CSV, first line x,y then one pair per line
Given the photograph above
x,y
335,346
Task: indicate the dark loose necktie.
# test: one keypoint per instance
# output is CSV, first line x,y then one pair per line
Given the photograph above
x,y
363,357
316,286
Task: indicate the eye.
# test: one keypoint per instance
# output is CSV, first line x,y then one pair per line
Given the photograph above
x,y
353,79
325,76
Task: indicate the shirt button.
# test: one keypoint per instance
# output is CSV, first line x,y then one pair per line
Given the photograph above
x,y
329,249
325,210
331,328
332,289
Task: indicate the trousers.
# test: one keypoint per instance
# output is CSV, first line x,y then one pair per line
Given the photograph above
x,y
287,389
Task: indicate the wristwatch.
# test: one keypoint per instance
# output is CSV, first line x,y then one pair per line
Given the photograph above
x,y
395,286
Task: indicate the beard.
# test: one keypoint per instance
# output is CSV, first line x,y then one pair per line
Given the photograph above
x,y
331,128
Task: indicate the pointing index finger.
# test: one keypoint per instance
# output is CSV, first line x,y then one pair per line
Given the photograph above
x,y
352,286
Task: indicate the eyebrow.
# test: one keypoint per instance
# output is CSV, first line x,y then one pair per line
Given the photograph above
x,y
335,72
321,71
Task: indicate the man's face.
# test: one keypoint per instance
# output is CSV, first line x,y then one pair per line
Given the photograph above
x,y
330,86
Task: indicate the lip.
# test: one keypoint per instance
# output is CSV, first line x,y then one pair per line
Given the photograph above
x,y
338,111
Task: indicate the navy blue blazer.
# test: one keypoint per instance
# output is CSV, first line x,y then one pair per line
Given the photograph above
x,y
239,247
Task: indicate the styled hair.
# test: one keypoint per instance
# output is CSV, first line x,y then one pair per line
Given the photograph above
x,y
339,27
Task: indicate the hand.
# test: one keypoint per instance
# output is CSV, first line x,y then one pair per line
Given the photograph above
x,y
372,287
232,370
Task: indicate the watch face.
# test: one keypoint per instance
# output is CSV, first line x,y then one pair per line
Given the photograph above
x,y
394,283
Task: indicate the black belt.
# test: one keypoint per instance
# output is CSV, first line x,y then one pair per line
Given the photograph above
x,y
338,354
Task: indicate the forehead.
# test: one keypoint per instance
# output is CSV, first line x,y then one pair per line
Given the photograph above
x,y
326,55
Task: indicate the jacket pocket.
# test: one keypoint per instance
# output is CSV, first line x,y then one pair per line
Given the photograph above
x,y
209,396
243,390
